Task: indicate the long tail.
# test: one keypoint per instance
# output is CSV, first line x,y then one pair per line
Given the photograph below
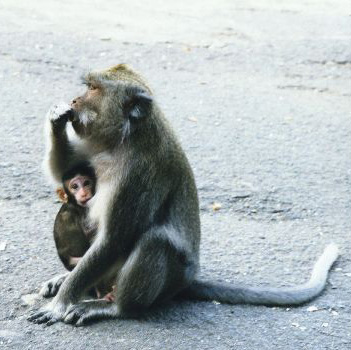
x,y
226,293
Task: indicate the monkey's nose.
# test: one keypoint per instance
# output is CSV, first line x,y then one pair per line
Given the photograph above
x,y
75,100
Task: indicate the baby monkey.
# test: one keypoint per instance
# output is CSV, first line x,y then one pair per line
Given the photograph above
x,y
73,233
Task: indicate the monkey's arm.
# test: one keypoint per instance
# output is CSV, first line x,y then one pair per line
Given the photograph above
x,y
60,152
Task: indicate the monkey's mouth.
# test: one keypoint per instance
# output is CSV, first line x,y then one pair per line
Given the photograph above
x,y
84,203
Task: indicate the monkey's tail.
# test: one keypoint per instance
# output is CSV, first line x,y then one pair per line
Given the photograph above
x,y
226,293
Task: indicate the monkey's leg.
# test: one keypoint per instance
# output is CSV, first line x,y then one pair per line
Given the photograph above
x,y
155,271
52,286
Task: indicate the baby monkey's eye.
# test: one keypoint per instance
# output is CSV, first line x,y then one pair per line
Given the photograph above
x,y
86,183
74,187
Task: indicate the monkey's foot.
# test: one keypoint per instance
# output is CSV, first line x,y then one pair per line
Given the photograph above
x,y
52,286
84,312
48,314
43,316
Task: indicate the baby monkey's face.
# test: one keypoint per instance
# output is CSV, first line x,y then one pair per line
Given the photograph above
x,y
81,188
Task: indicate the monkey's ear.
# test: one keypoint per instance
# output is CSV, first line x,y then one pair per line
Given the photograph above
x,y
62,195
137,104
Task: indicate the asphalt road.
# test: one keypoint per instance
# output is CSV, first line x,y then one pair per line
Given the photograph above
x,y
259,94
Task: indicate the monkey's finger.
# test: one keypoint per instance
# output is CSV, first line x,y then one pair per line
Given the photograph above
x,y
60,110
85,318
82,321
34,315
52,321
71,318
46,291
53,290
72,315
41,317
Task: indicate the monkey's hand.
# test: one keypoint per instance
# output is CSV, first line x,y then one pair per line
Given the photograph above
x,y
52,286
49,314
59,114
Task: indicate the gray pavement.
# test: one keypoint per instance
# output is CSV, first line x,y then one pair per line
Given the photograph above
x,y
259,94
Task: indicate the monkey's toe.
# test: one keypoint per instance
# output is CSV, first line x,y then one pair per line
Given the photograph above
x,y
73,314
48,291
34,316
51,287
84,313
43,317
82,321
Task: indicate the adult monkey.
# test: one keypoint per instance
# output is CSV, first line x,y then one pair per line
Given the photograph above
x,y
145,206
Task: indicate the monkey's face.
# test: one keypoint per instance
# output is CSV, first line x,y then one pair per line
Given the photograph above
x,y
110,109
86,108
80,188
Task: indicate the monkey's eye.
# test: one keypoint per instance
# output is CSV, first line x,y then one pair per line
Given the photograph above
x,y
92,87
86,183
74,187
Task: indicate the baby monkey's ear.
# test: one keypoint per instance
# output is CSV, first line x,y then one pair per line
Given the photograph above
x,y
137,103
62,195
